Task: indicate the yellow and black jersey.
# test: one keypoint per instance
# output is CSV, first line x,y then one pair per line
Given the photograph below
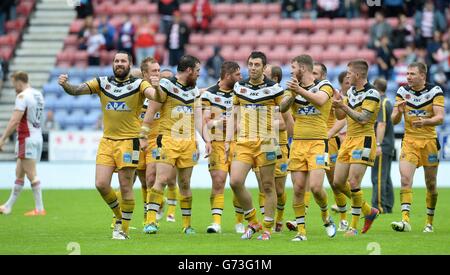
x,y
220,104
419,104
368,99
257,105
177,112
122,103
311,120
154,130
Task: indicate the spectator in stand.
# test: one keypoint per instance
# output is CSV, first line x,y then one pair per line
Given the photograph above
x,y
85,9
177,38
427,21
403,33
379,29
442,57
351,8
166,8
432,47
421,54
328,8
126,37
7,12
410,53
95,43
202,15
385,58
290,9
145,44
393,7
108,31
84,33
214,65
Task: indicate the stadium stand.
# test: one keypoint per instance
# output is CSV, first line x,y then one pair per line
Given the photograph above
x,y
237,27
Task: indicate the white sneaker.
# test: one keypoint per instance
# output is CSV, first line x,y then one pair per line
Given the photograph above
x,y
428,228
240,228
299,238
118,234
5,210
343,226
214,228
401,226
330,228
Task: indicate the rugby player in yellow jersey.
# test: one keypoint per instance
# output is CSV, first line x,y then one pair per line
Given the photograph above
x,y
334,143
217,102
285,125
254,103
334,126
122,97
358,151
422,106
176,153
146,169
311,104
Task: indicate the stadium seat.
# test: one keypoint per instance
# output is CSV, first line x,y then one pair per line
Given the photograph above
x,y
340,24
89,121
50,100
258,9
300,39
241,8
223,9
306,25
288,24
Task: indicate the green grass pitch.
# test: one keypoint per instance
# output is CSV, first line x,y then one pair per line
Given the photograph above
x,y
81,216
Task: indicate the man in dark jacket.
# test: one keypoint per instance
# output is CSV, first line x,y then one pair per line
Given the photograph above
x,y
176,38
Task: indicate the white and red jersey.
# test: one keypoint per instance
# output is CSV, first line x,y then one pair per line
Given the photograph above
x,y
30,101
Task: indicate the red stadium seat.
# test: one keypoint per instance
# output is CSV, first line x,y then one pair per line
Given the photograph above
x,y
340,24
270,22
288,24
263,48
306,24
196,39
367,54
250,40
71,40
223,9
258,9
238,22
284,38
241,8
323,24
220,21
318,39
254,23
358,24
65,56
76,26
273,8
230,39
185,8
211,39
300,39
